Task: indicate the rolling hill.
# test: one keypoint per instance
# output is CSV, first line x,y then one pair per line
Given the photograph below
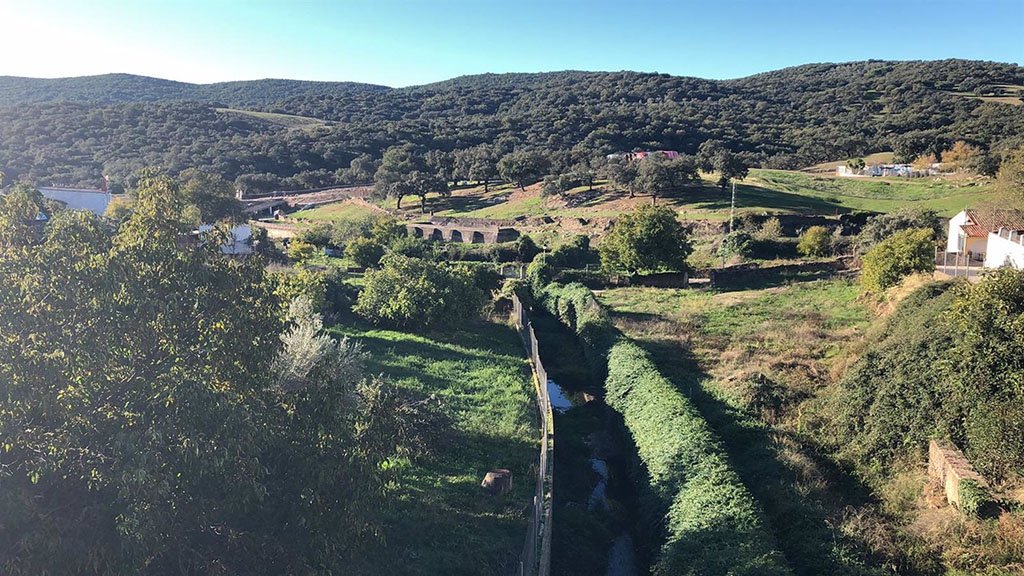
x,y
76,129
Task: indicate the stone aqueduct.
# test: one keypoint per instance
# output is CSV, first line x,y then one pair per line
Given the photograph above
x,y
461,233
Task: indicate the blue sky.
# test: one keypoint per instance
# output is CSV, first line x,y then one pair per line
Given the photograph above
x,y
404,42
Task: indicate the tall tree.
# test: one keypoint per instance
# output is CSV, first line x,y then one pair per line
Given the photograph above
x,y
649,239
522,168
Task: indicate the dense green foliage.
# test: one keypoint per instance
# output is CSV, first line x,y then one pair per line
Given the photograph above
x,y
414,292
882,226
648,239
973,497
161,415
814,242
693,502
903,253
76,130
947,363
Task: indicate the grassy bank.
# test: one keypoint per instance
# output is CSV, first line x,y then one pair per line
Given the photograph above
x,y
440,521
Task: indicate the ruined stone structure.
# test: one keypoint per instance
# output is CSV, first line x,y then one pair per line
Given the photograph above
x,y
948,466
455,232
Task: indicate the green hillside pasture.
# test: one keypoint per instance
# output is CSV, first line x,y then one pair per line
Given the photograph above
x,y
440,520
945,195
344,211
764,191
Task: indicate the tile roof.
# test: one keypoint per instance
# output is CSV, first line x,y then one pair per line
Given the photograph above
x,y
981,222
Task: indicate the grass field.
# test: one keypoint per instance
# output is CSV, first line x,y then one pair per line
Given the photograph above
x,y
763,191
441,522
336,212
750,361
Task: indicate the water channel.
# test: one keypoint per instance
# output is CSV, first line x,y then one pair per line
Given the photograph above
x,y
595,501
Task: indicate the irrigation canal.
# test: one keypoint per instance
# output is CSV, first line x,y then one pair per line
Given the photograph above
x,y
594,498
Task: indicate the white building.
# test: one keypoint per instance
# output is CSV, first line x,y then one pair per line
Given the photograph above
x,y
990,236
95,201
1005,248
239,241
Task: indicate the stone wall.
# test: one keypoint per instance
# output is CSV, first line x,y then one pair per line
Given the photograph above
x,y
947,465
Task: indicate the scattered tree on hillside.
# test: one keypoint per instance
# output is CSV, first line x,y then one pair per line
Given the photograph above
x,y
362,169
713,156
654,176
856,163
649,239
622,173
924,162
442,164
899,255
392,177
522,168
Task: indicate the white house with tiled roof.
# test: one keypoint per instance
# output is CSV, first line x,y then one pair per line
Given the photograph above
x,y
992,236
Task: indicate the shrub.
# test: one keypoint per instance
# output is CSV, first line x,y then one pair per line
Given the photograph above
x,y
770,230
882,226
735,244
897,256
973,497
814,242
573,254
317,235
409,292
526,249
365,252
299,251
302,283
649,239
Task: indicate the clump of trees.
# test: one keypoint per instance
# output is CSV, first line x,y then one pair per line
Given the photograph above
x,y
161,415
411,292
898,256
882,226
649,239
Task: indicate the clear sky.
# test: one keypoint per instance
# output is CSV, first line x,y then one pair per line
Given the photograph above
x,y
405,42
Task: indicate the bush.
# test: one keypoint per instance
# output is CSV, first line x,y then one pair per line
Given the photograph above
x,y
735,244
573,254
366,253
901,254
318,235
770,230
973,497
649,239
409,292
882,226
308,284
526,249
299,251
814,242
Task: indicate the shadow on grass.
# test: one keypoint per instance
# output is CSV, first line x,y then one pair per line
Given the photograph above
x,y
752,196
769,278
442,522
799,513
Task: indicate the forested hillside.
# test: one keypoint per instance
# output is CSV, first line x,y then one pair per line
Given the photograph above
x,y
80,128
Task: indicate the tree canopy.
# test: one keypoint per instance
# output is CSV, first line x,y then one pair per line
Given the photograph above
x,y
649,239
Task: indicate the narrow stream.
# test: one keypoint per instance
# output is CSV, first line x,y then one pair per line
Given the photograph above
x,y
594,499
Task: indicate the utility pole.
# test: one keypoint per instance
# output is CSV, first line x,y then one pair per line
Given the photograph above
x,y
732,208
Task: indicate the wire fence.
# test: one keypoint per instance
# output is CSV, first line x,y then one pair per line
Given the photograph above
x,y
536,556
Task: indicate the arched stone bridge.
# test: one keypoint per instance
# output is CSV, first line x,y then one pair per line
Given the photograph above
x,y
461,233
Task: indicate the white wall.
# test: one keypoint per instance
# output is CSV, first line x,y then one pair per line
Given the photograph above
x,y
240,242
1005,248
953,237
95,202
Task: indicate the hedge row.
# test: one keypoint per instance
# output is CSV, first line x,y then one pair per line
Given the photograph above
x,y
708,520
